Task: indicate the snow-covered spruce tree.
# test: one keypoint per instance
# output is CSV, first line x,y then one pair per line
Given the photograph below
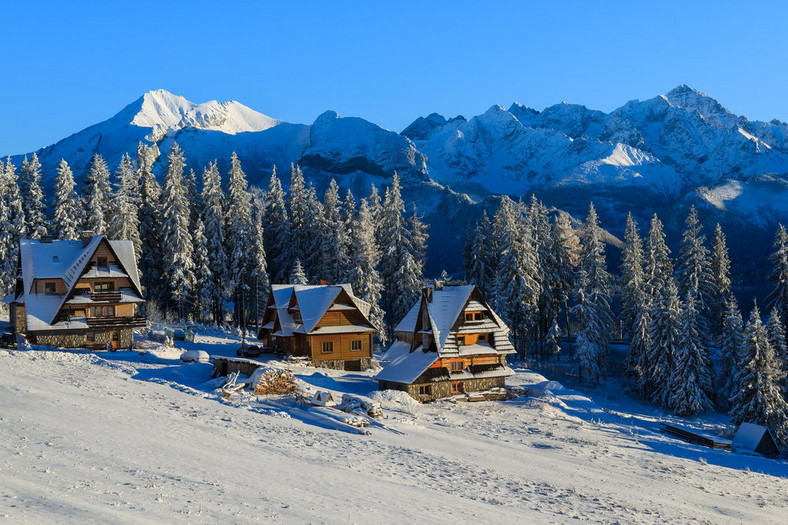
x,y
539,224
277,231
376,209
12,226
297,209
124,223
259,285
297,275
516,289
399,269
15,204
334,241
213,220
638,364
312,234
553,340
567,248
775,329
720,280
151,259
238,228
364,277
658,266
665,335
588,350
690,378
178,246
694,268
67,206
97,195
203,277
597,318
33,197
418,238
348,218
759,397
778,297
730,343
635,303
479,256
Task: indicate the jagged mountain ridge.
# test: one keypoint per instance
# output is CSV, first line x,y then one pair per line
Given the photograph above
x,y
658,155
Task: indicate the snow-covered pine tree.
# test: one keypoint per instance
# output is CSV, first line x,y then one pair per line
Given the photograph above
x,y
277,231
15,204
12,226
312,235
297,275
238,228
664,335
203,293
213,220
66,206
778,297
349,212
588,350
151,259
33,197
730,343
775,329
418,238
635,303
97,195
334,240
566,245
364,277
720,280
658,266
259,284
297,209
178,246
694,268
516,289
399,270
553,340
598,317
539,223
124,221
690,378
376,209
759,397
638,364
479,258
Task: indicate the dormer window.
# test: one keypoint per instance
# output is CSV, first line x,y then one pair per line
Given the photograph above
x,y
50,288
102,263
473,316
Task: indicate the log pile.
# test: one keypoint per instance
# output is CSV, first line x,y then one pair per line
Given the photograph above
x,y
276,382
352,403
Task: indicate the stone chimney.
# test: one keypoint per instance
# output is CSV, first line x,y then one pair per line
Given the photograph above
x,y
427,293
439,285
86,236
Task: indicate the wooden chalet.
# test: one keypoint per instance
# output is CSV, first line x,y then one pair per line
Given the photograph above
x,y
450,342
77,293
325,324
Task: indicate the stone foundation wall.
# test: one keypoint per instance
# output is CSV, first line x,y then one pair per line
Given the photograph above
x,y
441,389
345,364
77,339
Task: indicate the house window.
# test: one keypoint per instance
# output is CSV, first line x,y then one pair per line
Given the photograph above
x,y
355,346
469,316
461,340
90,337
103,311
425,390
477,316
50,288
483,338
456,388
457,366
104,287
297,317
101,262
328,347
78,313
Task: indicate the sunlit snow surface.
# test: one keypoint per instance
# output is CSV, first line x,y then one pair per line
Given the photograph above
x,y
144,438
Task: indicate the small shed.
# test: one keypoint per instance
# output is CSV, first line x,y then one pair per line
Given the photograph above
x,y
755,438
322,399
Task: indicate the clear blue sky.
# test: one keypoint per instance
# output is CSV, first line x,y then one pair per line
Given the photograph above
x,y
68,65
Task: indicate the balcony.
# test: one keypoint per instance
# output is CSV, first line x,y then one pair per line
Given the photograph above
x,y
106,296
135,321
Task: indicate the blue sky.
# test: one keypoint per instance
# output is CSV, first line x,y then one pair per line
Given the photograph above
x,y
72,64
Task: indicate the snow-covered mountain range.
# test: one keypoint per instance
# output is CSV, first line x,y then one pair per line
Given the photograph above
x,y
658,155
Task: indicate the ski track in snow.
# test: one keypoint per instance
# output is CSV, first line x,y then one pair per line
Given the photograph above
x,y
135,439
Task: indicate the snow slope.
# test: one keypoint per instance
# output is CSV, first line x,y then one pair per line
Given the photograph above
x,y
124,437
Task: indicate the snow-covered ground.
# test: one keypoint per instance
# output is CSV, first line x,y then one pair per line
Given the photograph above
x,y
136,437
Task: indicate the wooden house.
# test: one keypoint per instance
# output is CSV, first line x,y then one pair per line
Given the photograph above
x,y
77,293
450,342
325,324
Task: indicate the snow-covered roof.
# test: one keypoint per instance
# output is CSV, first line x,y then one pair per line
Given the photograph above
x,y
66,260
405,366
750,437
446,306
344,329
312,301
477,349
408,323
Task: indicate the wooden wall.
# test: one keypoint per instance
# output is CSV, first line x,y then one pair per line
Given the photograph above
x,y
341,346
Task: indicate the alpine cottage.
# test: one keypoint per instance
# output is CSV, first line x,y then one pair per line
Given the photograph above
x,y
77,294
326,324
451,342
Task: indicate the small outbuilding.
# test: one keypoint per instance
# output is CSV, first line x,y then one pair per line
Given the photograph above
x,y
322,399
755,438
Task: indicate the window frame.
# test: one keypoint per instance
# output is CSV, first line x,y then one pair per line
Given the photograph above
x,y
50,288
105,260
356,342
457,387
327,345
425,390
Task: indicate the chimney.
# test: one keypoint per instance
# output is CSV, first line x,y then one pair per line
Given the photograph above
x,y
427,293
323,282
439,285
46,239
86,235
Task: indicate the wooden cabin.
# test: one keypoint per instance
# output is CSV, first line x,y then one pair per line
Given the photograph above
x,y
325,324
450,342
77,293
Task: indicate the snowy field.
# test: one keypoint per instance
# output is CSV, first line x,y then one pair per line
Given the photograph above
x,y
135,438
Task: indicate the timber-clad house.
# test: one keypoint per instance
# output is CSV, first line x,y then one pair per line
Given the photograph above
x,y
450,342
326,324
77,293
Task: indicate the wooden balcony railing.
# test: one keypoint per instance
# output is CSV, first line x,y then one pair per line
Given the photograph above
x,y
136,321
112,297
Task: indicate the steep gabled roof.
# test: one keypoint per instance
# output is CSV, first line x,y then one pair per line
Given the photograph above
x,y
312,301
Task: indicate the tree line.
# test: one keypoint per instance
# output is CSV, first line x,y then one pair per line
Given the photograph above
x,y
208,251
689,348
